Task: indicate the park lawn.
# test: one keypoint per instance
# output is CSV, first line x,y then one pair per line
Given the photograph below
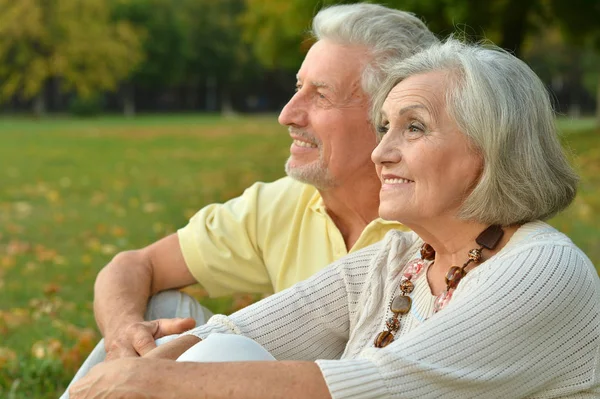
x,y
75,192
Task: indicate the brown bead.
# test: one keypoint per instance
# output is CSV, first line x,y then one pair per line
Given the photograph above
x,y
401,304
393,324
427,252
383,339
490,237
407,286
455,274
475,255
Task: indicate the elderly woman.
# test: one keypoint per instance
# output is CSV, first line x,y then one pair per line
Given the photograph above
x,y
483,299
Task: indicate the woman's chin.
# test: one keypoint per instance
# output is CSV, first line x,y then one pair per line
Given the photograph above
x,y
391,213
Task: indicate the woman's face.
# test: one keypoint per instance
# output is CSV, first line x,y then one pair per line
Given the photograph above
x,y
426,165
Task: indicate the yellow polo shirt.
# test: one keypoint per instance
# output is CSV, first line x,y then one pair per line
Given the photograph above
x,y
266,240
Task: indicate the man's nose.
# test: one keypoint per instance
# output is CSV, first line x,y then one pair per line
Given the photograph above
x,y
294,113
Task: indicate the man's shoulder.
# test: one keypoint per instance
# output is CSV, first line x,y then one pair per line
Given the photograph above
x,y
284,192
284,185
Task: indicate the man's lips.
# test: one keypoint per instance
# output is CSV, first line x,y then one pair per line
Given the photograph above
x,y
303,142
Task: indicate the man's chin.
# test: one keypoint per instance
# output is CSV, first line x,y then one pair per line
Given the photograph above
x,y
312,174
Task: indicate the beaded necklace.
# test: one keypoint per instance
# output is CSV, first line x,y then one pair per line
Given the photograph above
x,y
402,303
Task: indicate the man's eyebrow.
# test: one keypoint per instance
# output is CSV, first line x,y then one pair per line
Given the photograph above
x,y
322,85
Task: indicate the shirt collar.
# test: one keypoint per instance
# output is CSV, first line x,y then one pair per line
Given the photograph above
x,y
317,205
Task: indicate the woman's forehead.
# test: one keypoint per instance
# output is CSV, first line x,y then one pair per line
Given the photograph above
x,y
427,90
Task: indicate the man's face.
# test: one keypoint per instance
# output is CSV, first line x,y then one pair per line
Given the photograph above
x,y
328,118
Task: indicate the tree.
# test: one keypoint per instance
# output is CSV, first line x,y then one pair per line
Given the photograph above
x,y
164,44
74,41
216,53
579,21
275,28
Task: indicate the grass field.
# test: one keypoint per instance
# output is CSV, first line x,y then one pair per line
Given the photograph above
x,y
75,192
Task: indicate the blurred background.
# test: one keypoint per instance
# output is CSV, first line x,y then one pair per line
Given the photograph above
x,y
119,119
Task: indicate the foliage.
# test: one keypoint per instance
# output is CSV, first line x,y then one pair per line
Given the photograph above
x,y
165,38
74,41
215,47
276,28
188,42
86,107
75,192
578,19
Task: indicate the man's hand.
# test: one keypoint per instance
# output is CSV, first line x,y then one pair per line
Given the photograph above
x,y
122,290
137,339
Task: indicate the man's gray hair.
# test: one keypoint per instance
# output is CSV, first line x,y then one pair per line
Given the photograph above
x,y
390,35
501,105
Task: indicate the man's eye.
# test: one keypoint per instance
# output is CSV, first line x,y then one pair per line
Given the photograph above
x,y
297,89
383,129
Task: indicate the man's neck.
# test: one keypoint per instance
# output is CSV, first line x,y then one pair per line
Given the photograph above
x,y
352,206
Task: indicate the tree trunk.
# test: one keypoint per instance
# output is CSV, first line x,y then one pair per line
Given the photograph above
x,y
226,104
39,103
191,96
598,104
211,93
514,24
128,100
56,95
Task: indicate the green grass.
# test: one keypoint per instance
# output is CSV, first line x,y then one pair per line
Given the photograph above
x,y
74,192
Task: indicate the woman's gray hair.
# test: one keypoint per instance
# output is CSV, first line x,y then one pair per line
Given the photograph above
x,y
390,35
504,109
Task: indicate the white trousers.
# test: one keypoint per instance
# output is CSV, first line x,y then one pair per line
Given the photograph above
x,y
225,348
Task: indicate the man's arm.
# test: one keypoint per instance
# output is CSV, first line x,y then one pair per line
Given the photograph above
x,y
121,294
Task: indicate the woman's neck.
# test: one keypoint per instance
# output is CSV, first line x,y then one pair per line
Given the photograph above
x,y
452,241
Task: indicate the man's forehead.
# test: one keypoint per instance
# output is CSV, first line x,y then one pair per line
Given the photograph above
x,y
332,65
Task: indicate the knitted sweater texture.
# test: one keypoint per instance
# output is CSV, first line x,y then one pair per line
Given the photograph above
x,y
523,324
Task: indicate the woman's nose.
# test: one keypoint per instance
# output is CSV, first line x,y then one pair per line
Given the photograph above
x,y
389,150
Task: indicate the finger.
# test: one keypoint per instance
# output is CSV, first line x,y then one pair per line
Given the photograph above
x,y
143,341
173,326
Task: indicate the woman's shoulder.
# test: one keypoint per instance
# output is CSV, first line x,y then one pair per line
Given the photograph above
x,y
539,233
540,237
543,257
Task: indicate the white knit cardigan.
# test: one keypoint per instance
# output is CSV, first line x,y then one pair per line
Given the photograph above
x,y
525,323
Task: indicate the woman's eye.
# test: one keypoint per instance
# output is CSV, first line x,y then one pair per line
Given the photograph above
x,y
415,128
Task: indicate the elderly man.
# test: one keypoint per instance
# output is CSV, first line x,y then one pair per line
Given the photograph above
x,y
279,233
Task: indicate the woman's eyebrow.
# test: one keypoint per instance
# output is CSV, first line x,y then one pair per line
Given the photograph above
x,y
410,108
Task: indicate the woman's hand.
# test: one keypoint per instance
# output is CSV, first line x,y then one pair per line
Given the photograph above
x,y
173,349
142,378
